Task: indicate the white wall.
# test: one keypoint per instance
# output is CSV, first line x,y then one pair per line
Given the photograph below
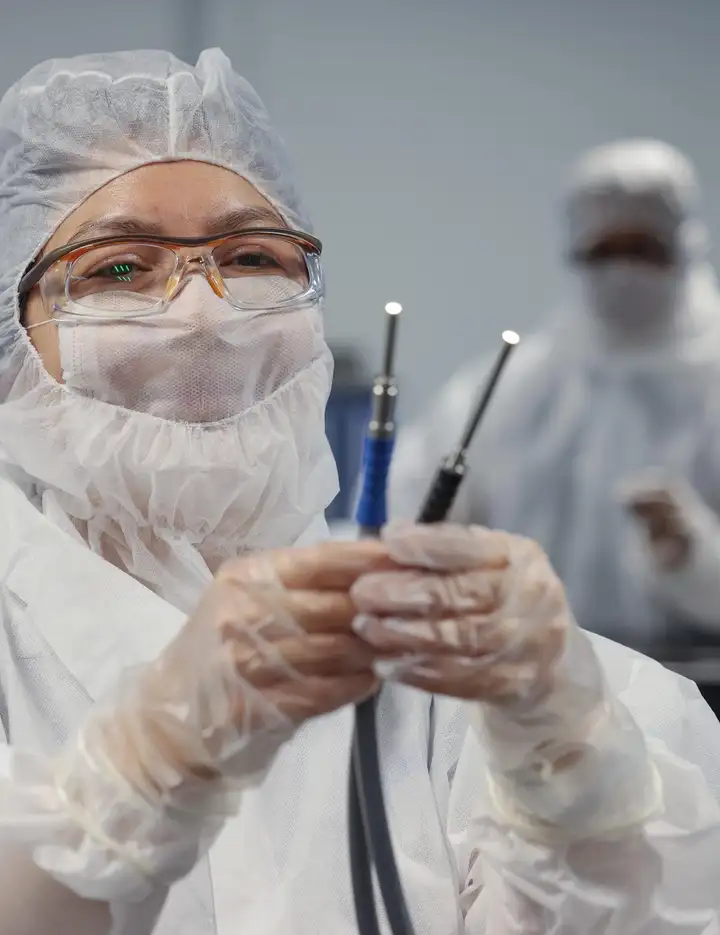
x,y
34,30
431,136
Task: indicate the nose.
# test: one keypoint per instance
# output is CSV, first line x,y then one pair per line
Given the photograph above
x,y
194,308
192,266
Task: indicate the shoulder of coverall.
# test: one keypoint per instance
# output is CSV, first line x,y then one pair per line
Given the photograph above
x,y
664,703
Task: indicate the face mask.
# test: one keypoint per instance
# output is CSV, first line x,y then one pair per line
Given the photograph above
x,y
155,483
631,297
200,361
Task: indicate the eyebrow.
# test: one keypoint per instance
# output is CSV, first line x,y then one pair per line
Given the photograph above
x,y
247,216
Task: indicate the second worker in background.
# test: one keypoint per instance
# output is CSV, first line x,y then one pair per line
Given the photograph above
x,y
603,440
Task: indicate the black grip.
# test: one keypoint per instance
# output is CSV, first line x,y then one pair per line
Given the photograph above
x,y
441,496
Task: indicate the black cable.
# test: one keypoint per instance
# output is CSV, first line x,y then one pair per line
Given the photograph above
x,y
369,803
360,865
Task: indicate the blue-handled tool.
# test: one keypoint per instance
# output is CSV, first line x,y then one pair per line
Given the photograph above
x,y
371,514
367,818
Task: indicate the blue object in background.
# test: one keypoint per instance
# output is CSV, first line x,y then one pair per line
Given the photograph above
x,y
346,418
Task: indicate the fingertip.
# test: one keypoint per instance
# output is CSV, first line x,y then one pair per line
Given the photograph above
x,y
361,624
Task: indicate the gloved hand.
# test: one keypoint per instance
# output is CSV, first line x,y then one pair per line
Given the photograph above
x,y
470,613
480,615
681,539
666,515
153,773
269,647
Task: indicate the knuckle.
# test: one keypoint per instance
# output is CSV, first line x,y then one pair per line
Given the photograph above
x,y
235,570
555,596
531,547
524,552
548,643
557,628
542,578
229,569
533,591
478,592
248,660
260,569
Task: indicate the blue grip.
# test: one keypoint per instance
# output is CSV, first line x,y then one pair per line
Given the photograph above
x,y
372,505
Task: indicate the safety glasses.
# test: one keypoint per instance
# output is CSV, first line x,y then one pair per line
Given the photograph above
x,y
134,276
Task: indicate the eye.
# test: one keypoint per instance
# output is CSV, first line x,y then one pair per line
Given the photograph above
x,y
109,265
253,260
117,272
249,255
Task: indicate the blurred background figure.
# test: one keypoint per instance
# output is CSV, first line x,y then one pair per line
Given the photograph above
x,y
603,440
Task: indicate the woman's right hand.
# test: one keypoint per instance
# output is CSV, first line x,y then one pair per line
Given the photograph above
x,y
269,647
152,773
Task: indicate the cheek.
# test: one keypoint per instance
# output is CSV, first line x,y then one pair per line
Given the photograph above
x,y
44,338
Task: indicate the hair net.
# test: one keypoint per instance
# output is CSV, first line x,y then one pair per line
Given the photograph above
x,y
641,184
123,478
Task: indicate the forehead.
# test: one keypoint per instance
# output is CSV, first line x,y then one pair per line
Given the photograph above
x,y
183,199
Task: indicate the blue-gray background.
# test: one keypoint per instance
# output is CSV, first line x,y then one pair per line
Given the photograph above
x,y
432,137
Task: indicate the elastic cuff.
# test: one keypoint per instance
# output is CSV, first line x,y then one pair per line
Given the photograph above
x,y
514,807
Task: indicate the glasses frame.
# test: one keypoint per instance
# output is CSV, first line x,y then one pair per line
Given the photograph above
x,y
311,246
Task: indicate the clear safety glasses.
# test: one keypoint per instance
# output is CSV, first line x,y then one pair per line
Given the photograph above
x,y
135,276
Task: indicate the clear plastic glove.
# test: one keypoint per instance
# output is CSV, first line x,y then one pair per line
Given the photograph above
x,y
680,536
481,615
153,773
472,613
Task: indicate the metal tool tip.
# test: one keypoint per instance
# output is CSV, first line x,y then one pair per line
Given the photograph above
x,y
393,308
511,337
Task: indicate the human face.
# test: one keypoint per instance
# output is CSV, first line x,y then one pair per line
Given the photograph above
x,y
171,199
639,247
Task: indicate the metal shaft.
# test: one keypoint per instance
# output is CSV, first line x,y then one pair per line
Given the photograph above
x,y
457,458
390,336
382,419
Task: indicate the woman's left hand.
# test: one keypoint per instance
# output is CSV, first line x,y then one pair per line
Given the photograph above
x,y
466,612
481,615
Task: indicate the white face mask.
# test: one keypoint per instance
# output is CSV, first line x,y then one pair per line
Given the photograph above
x,y
165,487
631,297
200,361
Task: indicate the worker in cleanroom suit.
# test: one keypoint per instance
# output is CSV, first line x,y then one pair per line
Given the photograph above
x,y
603,439
179,652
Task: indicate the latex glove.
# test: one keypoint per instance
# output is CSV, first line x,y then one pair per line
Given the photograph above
x,y
480,615
681,538
153,773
